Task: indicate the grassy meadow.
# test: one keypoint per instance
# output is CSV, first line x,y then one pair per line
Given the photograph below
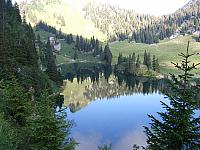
x,y
65,15
166,51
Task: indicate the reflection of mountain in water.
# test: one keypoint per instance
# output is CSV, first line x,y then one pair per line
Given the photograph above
x,y
85,84
112,88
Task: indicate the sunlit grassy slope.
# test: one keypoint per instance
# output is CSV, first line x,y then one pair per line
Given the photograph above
x,y
66,54
167,51
70,11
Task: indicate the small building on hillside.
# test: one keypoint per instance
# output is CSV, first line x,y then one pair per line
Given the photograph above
x,y
55,43
52,40
57,46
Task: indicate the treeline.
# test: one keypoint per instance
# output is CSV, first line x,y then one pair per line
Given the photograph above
x,y
58,33
44,26
132,64
28,116
93,46
124,85
83,71
121,24
47,60
115,22
146,35
81,44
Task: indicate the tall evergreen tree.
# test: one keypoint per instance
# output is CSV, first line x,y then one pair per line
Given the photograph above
x,y
17,12
179,128
120,59
96,48
138,62
51,65
107,55
157,66
131,65
145,58
148,61
77,44
154,63
76,54
134,60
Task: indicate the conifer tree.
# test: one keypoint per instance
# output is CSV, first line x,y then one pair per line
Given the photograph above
x,y
154,63
77,44
17,12
96,48
107,55
75,55
157,66
120,59
134,60
138,62
130,66
148,61
179,128
145,58
51,65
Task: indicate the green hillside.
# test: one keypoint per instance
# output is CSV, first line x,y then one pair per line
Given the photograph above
x,y
72,17
166,51
66,54
65,15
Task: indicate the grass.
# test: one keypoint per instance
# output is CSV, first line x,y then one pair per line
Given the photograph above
x,y
69,11
166,51
66,54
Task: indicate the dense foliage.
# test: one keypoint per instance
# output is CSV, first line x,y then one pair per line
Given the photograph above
x,y
18,55
93,46
179,128
31,122
132,66
28,116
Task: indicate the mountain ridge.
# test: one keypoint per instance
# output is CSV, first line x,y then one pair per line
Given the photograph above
x,y
108,22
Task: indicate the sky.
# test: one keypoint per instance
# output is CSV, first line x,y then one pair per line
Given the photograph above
x,y
154,7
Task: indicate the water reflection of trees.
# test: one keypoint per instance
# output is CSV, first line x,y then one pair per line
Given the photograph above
x,y
83,71
113,87
85,83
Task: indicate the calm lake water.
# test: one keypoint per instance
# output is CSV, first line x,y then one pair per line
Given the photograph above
x,y
118,121
108,108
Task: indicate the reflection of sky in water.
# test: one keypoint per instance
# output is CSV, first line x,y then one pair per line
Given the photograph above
x,y
118,121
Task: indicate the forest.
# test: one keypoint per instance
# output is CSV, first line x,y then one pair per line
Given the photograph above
x,y
31,112
121,24
118,24
28,104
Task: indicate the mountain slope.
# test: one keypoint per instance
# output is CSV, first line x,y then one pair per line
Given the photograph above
x,y
62,14
104,21
121,24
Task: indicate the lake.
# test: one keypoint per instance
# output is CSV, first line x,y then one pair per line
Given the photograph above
x,y
110,109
